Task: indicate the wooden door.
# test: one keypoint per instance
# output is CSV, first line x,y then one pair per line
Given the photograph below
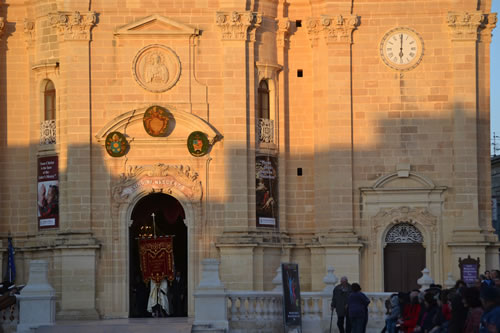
x,y
403,265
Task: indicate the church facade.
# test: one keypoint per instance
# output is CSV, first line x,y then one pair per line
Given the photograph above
x,y
350,133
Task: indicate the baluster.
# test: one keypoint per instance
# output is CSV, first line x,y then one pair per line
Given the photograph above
x,y
258,308
265,308
316,307
242,308
250,308
307,311
234,313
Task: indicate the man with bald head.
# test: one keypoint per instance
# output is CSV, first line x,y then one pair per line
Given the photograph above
x,y
339,303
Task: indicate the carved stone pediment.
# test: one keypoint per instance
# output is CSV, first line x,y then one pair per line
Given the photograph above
x,y
155,25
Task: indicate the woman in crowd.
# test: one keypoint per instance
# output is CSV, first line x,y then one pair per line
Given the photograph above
x,y
358,309
411,312
430,317
473,303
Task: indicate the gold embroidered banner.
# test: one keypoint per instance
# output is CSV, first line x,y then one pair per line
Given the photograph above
x,y
157,259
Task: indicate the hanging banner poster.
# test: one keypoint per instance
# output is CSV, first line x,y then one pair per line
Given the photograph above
x,y
157,259
48,192
266,191
292,313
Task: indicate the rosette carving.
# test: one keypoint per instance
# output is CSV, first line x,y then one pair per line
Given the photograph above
x,y
73,26
464,26
236,25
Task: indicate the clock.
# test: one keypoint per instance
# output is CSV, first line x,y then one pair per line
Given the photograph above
x,y
402,48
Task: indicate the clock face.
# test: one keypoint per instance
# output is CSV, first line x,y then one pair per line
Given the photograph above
x,y
401,48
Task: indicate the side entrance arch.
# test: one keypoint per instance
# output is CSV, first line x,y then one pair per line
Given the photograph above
x,y
404,258
169,220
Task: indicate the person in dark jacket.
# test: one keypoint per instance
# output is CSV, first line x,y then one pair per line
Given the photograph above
x,y
339,303
431,316
458,309
357,305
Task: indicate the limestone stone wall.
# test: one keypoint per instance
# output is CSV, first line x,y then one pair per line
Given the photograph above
x,y
375,146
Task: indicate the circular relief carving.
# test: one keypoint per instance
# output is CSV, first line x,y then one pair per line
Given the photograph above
x,y
198,144
156,68
116,144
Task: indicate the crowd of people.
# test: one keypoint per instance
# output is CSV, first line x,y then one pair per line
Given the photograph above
x,y
461,309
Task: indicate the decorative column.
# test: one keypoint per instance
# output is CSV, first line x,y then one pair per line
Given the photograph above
x,y
467,238
282,80
483,114
331,37
236,247
74,91
79,251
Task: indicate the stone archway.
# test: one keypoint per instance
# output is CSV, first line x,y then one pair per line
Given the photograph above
x,y
168,221
404,257
177,181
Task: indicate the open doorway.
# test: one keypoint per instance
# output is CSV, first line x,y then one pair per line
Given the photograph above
x,y
169,220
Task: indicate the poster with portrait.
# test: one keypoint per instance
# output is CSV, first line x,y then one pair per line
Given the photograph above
x,y
48,192
292,313
266,191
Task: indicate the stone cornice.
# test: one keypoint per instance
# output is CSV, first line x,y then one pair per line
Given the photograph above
x,y
2,26
336,29
73,26
236,25
464,25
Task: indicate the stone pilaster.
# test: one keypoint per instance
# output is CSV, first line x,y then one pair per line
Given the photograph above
x,y
332,38
282,85
464,36
74,116
236,33
73,33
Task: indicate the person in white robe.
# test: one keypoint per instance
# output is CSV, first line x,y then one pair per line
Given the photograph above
x,y
158,296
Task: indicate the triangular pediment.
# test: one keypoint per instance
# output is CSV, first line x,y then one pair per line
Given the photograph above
x,y
156,25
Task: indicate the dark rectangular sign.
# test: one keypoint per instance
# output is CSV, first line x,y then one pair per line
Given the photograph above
x,y
292,313
48,192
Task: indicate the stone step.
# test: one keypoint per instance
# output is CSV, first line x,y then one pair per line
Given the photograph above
x,y
146,325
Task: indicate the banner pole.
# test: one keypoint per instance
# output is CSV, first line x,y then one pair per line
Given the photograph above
x,y
154,225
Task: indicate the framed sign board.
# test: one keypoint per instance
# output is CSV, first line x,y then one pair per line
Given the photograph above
x,y
469,270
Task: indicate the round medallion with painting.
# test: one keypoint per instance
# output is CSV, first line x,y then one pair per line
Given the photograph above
x,y
198,144
116,144
156,121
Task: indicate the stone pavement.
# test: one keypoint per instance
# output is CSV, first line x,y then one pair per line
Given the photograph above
x,y
143,325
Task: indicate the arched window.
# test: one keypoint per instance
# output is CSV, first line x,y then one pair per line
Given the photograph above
x,y
263,106
49,95
404,233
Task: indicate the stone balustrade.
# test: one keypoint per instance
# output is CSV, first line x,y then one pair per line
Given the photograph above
x,y
262,311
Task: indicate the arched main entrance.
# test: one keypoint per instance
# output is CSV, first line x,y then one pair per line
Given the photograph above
x,y
404,258
169,220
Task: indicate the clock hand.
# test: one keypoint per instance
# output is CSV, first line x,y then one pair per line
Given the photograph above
x,y
401,49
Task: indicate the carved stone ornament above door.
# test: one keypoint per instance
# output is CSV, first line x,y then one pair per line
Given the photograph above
x,y
156,68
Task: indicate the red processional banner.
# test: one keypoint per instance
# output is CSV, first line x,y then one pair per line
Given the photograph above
x,y
157,259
